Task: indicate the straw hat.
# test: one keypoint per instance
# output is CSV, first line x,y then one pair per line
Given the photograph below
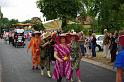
x,y
37,32
94,34
74,35
46,35
105,30
65,36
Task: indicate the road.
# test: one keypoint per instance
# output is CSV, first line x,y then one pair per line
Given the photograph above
x,y
16,67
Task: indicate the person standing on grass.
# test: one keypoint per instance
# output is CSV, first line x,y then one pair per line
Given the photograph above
x,y
119,63
89,45
94,45
113,47
82,42
106,43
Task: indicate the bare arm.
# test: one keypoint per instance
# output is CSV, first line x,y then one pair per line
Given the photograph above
x,y
45,44
119,74
56,57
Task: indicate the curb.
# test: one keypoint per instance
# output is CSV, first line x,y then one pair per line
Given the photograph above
x,y
99,64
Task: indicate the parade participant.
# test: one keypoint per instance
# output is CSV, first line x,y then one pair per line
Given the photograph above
x,y
113,47
46,50
106,43
13,34
82,42
34,45
93,45
119,63
75,56
10,37
62,67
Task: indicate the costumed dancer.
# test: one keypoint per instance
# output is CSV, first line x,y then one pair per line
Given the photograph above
x,y
35,50
75,55
62,67
46,51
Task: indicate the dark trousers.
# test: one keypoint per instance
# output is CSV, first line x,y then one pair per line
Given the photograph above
x,y
113,55
59,80
82,50
10,40
94,50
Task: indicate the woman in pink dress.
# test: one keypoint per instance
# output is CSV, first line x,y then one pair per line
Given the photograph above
x,y
62,66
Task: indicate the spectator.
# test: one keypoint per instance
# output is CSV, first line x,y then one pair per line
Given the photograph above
x,y
106,43
94,45
113,47
82,42
89,45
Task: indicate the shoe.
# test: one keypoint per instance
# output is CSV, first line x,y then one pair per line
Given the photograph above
x,y
79,80
72,80
33,68
37,68
94,58
48,73
42,72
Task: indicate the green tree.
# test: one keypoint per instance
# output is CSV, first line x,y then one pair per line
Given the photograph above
x,y
38,26
26,21
63,9
109,13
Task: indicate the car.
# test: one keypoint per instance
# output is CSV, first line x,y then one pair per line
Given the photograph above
x,y
99,41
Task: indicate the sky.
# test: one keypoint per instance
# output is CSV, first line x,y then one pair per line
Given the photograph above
x,y
20,9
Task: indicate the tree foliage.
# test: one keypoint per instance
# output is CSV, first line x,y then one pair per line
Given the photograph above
x,y
63,9
106,14
38,26
5,23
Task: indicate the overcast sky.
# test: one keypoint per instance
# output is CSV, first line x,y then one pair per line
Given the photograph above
x,y
20,9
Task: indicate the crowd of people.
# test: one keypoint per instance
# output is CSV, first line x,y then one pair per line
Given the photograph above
x,y
66,50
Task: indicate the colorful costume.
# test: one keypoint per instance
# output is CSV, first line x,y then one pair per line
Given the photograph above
x,y
75,54
45,55
34,50
62,69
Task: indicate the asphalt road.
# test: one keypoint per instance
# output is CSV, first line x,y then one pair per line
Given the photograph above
x,y
16,67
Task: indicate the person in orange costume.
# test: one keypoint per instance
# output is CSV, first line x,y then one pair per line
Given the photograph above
x,y
34,45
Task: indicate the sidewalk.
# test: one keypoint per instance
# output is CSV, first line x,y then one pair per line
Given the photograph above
x,y
100,61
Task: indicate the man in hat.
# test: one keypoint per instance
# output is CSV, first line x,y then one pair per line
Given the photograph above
x,y
46,50
119,63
